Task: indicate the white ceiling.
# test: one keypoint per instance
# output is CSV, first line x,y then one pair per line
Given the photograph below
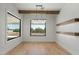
x,y
32,6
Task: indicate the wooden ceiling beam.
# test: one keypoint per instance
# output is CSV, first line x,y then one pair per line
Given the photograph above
x,y
39,11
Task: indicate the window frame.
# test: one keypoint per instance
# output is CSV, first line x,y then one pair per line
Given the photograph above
x,y
37,35
8,39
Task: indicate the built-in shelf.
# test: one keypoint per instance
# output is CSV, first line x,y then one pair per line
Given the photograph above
x,y
69,33
68,22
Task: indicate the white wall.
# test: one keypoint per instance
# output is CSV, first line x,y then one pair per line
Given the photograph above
x,y
70,43
50,29
4,45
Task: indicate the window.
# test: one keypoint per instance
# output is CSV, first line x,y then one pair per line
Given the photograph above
x,y
13,26
38,28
